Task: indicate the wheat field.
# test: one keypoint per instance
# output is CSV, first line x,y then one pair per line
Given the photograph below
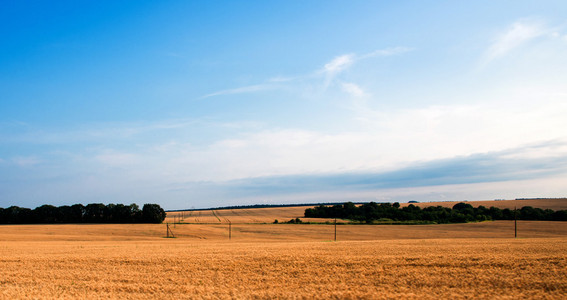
x,y
268,215
552,203
244,215
283,261
175,268
278,232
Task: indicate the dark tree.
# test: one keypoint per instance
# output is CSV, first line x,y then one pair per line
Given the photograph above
x,y
65,214
46,214
560,215
94,213
135,213
463,208
152,213
15,215
77,213
460,213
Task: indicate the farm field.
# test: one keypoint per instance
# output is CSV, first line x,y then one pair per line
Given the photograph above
x,y
182,269
278,232
243,215
285,261
268,215
555,204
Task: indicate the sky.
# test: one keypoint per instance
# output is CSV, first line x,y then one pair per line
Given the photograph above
x,y
197,104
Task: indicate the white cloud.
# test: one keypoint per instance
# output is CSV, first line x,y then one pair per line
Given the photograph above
x,y
281,79
544,187
352,89
328,73
390,140
339,64
26,161
553,149
114,158
379,140
98,132
515,36
343,62
387,52
241,90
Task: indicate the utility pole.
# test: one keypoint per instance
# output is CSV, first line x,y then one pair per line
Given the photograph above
x,y
515,222
335,229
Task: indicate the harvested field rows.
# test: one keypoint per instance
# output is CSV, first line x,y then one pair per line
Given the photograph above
x,y
174,268
283,214
286,261
279,232
555,204
242,216
312,232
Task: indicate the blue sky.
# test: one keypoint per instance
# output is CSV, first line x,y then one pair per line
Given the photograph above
x,y
214,103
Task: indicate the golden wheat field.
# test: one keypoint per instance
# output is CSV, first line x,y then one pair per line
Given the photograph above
x,y
283,261
268,215
555,204
174,268
245,215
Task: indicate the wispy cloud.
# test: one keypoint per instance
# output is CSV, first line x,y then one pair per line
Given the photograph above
x,y
335,67
478,176
308,165
387,52
327,74
515,36
487,167
135,135
518,34
281,79
241,90
339,64
26,161
352,89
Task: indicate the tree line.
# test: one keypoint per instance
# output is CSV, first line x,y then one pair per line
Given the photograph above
x,y
459,213
78,213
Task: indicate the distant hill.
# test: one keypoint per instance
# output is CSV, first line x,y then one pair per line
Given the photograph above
x,y
268,213
543,203
259,206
